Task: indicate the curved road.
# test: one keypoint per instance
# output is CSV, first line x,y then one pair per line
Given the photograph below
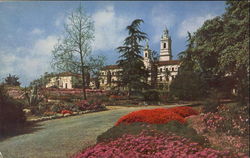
x,y
61,138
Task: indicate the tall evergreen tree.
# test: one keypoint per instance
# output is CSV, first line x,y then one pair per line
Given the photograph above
x,y
134,74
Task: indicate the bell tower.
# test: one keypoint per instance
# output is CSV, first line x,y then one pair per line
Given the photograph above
x,y
147,55
165,51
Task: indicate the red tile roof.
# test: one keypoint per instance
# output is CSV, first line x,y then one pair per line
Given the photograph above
x,y
110,67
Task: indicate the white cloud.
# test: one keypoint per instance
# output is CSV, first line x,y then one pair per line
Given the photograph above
x,y
45,46
161,18
37,31
109,28
6,61
60,19
192,24
28,62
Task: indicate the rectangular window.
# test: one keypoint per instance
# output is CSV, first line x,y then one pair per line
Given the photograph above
x,y
164,45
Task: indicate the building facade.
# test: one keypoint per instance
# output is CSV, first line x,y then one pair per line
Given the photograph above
x,y
63,80
167,68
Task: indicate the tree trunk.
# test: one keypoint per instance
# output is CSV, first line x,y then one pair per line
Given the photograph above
x,y
129,92
83,79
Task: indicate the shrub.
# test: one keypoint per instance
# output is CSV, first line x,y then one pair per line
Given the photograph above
x,y
66,112
151,95
11,113
184,111
85,105
158,116
212,101
232,120
136,128
55,108
188,86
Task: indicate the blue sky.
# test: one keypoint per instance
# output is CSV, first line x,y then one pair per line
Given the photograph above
x,y
29,30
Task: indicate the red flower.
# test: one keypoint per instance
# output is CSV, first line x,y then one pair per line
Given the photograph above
x,y
158,116
66,112
184,111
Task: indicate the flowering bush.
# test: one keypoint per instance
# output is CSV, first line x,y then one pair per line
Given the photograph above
x,y
153,116
227,128
66,112
184,111
152,146
86,105
157,116
136,128
228,120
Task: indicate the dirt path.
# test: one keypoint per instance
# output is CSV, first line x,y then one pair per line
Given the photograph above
x,y
61,138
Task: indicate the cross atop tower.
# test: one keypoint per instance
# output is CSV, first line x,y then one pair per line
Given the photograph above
x,y
165,32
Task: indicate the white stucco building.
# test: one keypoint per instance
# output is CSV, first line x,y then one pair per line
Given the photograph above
x,y
167,68
63,80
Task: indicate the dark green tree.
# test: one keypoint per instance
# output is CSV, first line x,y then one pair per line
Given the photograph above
x,y
12,80
234,58
187,85
134,74
219,51
154,70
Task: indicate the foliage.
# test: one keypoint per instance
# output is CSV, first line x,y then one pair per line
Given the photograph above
x,y
154,71
212,101
72,52
227,128
228,119
42,81
11,113
66,112
152,146
151,95
33,97
88,105
12,80
136,128
157,116
40,109
218,51
188,85
133,72
94,67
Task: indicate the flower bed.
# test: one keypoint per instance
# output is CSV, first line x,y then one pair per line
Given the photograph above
x,y
228,128
152,146
157,116
184,111
86,105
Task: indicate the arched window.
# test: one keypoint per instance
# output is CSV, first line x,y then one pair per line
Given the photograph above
x,y
160,78
160,69
164,45
146,54
172,69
